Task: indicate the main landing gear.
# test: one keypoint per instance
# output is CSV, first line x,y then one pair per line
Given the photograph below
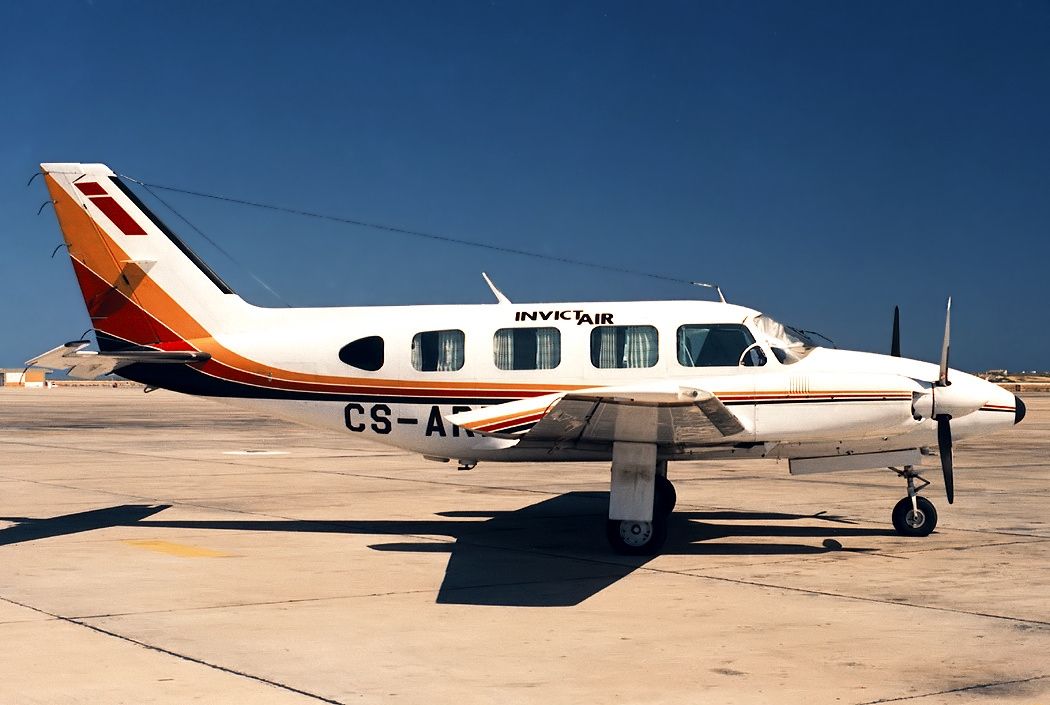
x,y
914,515
641,499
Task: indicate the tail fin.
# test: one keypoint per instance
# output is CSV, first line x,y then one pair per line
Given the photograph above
x,y
143,287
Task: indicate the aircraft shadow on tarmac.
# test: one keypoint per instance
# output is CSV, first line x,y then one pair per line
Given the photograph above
x,y
552,553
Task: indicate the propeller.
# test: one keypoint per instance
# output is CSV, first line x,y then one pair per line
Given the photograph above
x,y
940,403
944,426
895,344
944,446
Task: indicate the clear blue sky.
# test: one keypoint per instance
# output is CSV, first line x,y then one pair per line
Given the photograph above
x,y
822,161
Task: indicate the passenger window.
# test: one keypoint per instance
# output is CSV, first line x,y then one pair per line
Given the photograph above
x,y
438,351
719,345
624,346
364,353
527,348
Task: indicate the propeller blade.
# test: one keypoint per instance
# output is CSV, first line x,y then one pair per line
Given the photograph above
x,y
944,446
946,345
895,344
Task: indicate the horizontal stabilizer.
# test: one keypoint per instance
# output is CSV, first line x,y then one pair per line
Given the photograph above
x,y
89,364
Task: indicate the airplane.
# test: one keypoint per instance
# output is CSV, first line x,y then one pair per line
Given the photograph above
x,y
634,384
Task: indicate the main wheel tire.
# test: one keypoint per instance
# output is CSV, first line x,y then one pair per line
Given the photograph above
x,y
909,523
665,498
636,538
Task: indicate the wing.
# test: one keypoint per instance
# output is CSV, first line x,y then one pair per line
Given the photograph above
x,y
668,415
89,364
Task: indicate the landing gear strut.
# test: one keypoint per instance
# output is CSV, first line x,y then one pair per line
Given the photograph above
x,y
645,534
914,515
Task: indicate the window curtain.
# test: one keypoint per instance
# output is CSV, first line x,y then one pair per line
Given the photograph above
x,y
450,350
548,348
417,352
503,348
607,348
639,348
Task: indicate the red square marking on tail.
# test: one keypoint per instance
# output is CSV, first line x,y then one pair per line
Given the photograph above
x,y
90,188
118,215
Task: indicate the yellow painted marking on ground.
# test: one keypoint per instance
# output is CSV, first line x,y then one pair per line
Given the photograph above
x,y
176,549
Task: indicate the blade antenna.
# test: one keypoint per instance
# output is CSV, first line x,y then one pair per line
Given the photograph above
x,y
718,289
946,346
895,343
500,296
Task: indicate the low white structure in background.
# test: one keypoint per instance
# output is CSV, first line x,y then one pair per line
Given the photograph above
x,y
21,377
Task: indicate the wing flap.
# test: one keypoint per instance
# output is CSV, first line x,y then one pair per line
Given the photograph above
x,y
665,416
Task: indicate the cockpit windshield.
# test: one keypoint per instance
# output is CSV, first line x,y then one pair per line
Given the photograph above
x,y
789,344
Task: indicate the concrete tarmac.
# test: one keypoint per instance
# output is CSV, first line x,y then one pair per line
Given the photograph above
x,y
165,549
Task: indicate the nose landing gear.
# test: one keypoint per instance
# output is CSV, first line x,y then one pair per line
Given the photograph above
x,y
914,515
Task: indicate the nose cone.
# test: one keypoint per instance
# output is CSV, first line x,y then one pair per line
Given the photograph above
x,y
1019,409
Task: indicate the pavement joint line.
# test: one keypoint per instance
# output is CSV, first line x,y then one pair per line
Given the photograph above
x,y
858,598
181,458
156,500
285,469
934,549
169,652
240,605
771,586
58,483
199,505
962,689
992,532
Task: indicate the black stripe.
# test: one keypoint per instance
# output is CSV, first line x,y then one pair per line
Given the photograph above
x,y
183,247
827,400
187,379
514,429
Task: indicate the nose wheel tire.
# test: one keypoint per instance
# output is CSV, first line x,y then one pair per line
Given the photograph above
x,y
909,522
637,538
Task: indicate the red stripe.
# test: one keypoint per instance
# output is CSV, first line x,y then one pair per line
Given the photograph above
x,y
90,188
118,215
510,423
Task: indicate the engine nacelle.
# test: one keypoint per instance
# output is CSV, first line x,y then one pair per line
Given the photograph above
x,y
954,400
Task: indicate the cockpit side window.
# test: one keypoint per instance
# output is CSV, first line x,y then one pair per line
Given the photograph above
x,y
714,345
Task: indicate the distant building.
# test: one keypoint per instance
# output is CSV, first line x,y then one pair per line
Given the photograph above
x,y
23,378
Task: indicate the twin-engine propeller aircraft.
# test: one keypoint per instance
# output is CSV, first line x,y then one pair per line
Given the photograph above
x,y
638,383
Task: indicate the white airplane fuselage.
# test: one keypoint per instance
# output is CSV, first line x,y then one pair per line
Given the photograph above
x,y
801,409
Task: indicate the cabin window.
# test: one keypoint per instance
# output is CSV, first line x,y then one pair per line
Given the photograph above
x,y
438,350
624,346
527,348
718,345
364,353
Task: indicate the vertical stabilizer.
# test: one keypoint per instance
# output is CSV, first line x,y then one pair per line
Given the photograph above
x,y
141,284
